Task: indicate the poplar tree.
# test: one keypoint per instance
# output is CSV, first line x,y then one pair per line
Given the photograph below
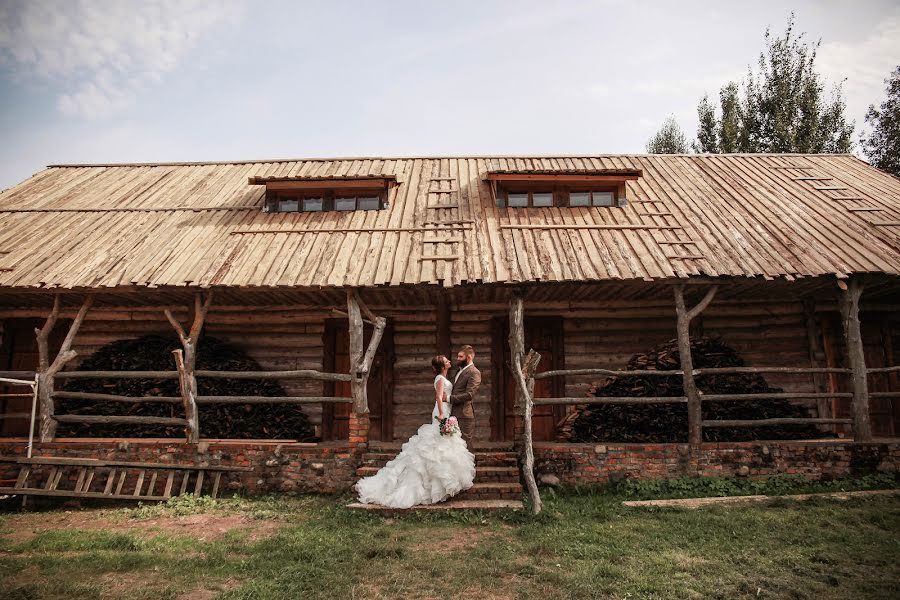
x,y
670,139
882,145
782,106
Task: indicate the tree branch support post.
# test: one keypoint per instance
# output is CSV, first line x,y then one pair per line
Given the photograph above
x,y
360,366
849,305
186,362
47,371
695,413
523,369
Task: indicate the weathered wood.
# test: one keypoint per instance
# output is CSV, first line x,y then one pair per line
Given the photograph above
x,y
119,419
609,372
96,463
884,370
848,301
684,317
523,372
775,396
797,370
48,371
271,399
117,375
613,400
188,398
296,374
442,331
358,379
779,421
116,398
186,361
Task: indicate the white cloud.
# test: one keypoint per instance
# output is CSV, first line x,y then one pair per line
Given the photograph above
x,y
103,53
865,64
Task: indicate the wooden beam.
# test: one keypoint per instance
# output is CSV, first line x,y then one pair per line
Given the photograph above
x,y
566,177
848,301
684,316
776,421
442,332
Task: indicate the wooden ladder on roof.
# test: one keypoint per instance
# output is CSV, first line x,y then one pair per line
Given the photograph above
x,y
113,480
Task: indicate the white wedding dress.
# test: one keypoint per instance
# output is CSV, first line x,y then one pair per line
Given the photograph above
x,y
430,467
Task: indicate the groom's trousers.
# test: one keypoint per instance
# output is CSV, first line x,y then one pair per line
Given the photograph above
x,y
467,423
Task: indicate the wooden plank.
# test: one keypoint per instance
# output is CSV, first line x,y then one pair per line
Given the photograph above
x,y
89,480
439,227
587,226
167,493
184,482
865,209
118,419
271,399
152,485
776,396
71,494
295,374
198,487
39,460
565,177
885,223
440,257
216,479
49,483
778,421
613,400
109,482
122,475
139,484
81,475
24,472
116,398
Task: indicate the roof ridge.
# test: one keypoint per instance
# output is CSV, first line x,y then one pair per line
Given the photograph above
x,y
427,157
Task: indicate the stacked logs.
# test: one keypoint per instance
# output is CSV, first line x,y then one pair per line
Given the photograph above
x,y
154,353
667,423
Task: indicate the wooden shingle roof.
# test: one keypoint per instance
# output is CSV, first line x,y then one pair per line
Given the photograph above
x,y
202,224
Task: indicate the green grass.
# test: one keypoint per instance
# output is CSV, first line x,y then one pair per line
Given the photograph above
x,y
584,545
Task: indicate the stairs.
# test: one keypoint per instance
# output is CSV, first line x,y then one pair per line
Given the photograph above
x,y
496,485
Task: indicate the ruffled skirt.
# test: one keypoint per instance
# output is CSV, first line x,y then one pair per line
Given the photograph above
x,y
430,468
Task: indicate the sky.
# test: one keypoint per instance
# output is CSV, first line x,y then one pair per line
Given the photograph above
x,y
157,80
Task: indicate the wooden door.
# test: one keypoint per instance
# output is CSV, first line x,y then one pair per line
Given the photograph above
x,y
335,417
545,335
18,352
878,341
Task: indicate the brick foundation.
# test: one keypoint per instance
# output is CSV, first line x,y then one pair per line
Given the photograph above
x,y
597,464
285,467
295,468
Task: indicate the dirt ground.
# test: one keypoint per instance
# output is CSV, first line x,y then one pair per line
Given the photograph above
x,y
203,527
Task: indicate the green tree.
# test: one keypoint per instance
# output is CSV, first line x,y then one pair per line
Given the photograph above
x,y
882,145
670,139
783,106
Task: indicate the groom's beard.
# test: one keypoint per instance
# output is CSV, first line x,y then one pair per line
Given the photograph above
x,y
462,363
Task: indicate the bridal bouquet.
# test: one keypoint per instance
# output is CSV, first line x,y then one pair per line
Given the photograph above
x,y
449,426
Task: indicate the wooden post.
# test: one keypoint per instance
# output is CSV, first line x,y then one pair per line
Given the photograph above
x,y
524,376
186,362
695,413
823,408
442,318
849,305
361,363
47,370
517,336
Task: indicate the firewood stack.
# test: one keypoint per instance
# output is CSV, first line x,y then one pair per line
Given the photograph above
x,y
659,423
154,353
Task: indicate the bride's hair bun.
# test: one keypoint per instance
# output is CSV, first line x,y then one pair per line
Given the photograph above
x,y
437,363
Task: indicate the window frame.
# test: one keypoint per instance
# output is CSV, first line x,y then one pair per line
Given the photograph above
x,y
329,197
560,194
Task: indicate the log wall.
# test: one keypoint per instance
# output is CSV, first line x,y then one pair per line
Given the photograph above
x,y
764,334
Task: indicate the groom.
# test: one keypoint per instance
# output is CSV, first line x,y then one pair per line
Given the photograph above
x,y
465,386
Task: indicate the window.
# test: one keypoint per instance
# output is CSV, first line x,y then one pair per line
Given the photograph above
x,y
324,200
603,188
323,194
559,195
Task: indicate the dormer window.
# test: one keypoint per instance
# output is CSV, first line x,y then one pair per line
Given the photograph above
x,y
321,194
543,190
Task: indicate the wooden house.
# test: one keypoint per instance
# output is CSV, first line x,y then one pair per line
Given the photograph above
x,y
342,277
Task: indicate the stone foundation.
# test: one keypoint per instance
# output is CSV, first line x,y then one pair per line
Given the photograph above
x,y
598,464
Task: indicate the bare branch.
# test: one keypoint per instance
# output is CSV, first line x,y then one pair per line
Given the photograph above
x,y
178,328
65,352
200,314
43,334
701,306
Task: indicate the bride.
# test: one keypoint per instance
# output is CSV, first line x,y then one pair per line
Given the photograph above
x,y
430,467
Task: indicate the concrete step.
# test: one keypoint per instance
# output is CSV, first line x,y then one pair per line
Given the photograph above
x,y
482,474
452,504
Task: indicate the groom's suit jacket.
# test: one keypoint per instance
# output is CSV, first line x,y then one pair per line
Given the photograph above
x,y
464,391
